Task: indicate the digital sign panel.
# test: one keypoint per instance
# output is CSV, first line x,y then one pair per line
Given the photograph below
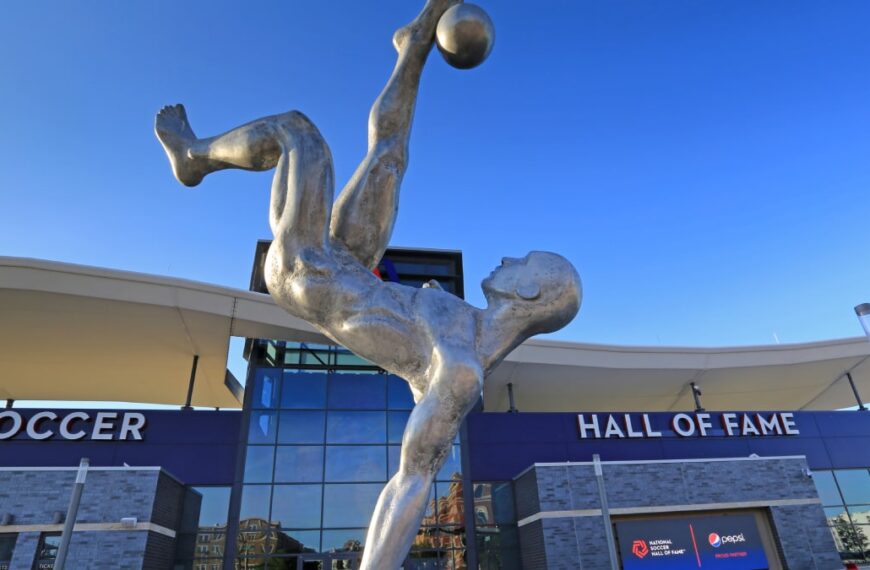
x,y
725,542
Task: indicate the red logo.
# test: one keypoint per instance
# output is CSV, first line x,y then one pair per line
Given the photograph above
x,y
639,548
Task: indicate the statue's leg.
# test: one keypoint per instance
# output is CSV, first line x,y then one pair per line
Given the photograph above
x,y
365,212
302,187
427,441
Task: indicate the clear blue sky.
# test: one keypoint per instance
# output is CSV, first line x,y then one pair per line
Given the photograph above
x,y
705,165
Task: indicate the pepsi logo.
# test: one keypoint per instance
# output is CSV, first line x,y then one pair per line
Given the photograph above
x,y
716,541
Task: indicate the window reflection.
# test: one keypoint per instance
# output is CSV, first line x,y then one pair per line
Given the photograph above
x,y
855,485
255,501
356,427
265,388
345,540
301,427
826,487
258,464
296,506
214,505
394,454
452,467
303,390
396,422
356,463
358,391
860,514
398,394
309,540
349,505
262,428
299,464
324,458
834,513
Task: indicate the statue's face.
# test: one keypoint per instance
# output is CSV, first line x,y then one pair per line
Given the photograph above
x,y
514,278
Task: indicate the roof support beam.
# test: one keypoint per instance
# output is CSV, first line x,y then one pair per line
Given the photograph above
x,y
861,405
191,383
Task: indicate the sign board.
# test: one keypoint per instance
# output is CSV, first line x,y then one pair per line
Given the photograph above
x,y
73,426
698,424
723,542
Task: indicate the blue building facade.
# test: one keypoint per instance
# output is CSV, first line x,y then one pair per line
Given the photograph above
x,y
308,488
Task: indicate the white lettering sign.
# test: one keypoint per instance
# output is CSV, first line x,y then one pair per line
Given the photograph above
x,y
106,426
699,424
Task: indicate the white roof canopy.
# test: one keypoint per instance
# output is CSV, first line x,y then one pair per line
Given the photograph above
x,y
70,332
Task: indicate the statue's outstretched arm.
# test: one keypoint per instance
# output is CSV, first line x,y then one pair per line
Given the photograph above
x,y
365,212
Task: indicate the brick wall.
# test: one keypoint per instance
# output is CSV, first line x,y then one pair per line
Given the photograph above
x,y
556,540
33,496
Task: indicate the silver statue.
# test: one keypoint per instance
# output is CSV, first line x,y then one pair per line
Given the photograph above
x,y
319,269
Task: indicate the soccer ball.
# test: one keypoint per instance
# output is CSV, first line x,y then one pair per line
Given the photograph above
x,y
465,36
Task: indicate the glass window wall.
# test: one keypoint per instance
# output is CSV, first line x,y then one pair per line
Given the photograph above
x,y
202,534
845,495
321,447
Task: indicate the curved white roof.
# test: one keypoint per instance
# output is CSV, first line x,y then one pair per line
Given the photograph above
x,y
71,332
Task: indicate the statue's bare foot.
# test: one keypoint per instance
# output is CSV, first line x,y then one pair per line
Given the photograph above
x,y
422,30
176,136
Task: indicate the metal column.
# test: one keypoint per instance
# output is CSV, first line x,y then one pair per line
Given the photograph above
x,y
605,512
71,514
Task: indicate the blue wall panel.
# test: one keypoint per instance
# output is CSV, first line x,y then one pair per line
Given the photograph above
x,y
198,447
501,445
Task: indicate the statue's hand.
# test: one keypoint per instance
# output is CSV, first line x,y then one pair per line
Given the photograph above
x,y
432,284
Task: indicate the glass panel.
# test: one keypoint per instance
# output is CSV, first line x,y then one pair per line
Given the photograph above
x,y
296,506
349,505
262,428
833,514
503,503
255,502
826,487
855,485
256,538
851,541
301,427
346,540
356,427
265,388
498,548
299,464
259,463
7,545
356,463
396,422
304,390
430,515
304,541
398,394
860,514
47,551
214,506
347,358
394,453
452,467
358,391
450,505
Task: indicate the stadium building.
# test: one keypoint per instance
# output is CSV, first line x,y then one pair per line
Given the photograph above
x,y
578,456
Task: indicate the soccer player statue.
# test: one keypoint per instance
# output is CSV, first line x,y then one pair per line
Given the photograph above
x,y
319,269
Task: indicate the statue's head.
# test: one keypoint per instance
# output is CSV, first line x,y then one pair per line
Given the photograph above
x,y
542,290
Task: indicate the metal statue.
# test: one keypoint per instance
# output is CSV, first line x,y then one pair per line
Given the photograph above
x,y
319,269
